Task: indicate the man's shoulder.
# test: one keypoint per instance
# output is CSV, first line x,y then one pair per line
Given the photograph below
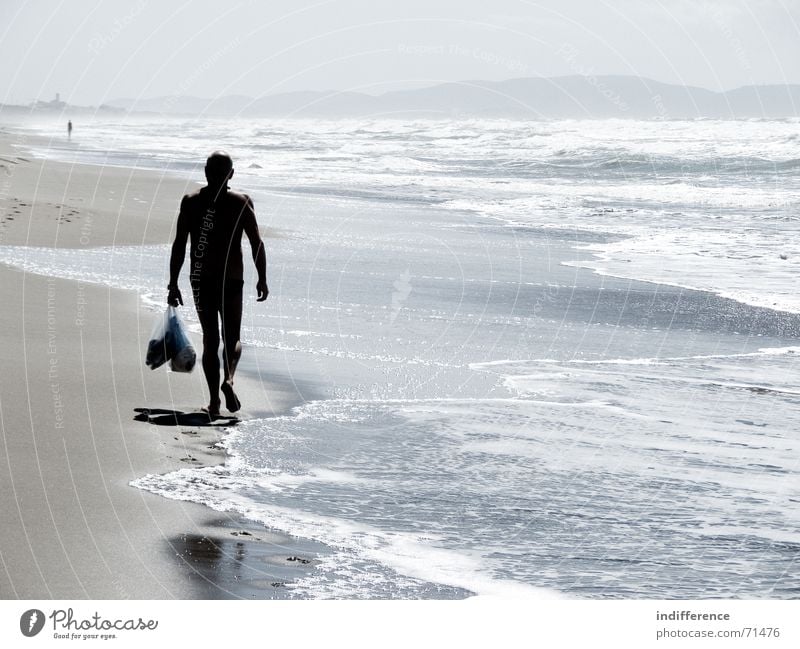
x,y
192,197
191,201
239,198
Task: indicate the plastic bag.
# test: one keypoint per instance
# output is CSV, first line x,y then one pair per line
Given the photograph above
x,y
169,342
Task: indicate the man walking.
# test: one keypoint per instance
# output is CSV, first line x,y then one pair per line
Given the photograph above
x,y
214,218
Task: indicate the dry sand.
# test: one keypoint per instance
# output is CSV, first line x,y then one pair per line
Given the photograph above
x,y
72,386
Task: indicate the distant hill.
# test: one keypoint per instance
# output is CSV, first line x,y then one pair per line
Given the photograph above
x,y
529,98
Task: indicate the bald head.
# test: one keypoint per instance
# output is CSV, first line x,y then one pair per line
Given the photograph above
x,y
219,169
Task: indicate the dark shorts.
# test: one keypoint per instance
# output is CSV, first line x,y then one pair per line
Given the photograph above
x,y
215,301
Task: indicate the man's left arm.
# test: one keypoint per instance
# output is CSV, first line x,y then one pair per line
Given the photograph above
x,y
257,247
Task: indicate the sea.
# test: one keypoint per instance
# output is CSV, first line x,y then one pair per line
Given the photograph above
x,y
541,358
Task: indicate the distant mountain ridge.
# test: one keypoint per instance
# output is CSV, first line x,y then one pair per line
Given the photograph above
x,y
601,96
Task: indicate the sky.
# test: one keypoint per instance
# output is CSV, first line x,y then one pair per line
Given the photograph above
x,y
92,51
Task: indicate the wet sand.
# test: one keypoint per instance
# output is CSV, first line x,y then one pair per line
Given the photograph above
x,y
81,415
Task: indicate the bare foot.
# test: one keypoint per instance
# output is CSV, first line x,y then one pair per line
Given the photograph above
x,y
212,410
232,402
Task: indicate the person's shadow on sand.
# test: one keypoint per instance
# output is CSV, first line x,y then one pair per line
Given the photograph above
x,y
161,417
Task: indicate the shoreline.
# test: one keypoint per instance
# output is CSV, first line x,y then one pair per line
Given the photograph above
x,y
72,442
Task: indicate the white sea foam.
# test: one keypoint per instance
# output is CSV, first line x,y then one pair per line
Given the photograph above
x,y
598,443
408,555
765,351
362,551
752,267
702,204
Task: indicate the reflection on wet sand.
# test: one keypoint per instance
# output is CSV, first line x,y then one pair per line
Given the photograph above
x,y
253,563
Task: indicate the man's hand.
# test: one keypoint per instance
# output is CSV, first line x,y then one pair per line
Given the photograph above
x,y
262,290
174,298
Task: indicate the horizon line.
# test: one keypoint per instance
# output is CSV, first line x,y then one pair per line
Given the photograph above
x,y
464,82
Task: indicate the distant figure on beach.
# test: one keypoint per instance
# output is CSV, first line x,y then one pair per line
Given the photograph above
x,y
214,218
69,130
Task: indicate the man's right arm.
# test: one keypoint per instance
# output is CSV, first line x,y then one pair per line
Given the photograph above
x,y
178,254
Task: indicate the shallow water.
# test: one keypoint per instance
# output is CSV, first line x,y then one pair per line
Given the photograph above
x,y
497,419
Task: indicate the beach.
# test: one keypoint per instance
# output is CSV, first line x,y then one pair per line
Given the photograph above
x,y
539,359
72,384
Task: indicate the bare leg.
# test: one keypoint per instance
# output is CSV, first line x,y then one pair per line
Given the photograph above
x,y
208,314
231,353
232,350
211,370
232,402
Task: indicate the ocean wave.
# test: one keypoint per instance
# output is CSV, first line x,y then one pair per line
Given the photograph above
x,y
752,267
665,187
370,549
376,479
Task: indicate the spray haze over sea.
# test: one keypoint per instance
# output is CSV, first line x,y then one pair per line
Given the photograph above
x,y
552,356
